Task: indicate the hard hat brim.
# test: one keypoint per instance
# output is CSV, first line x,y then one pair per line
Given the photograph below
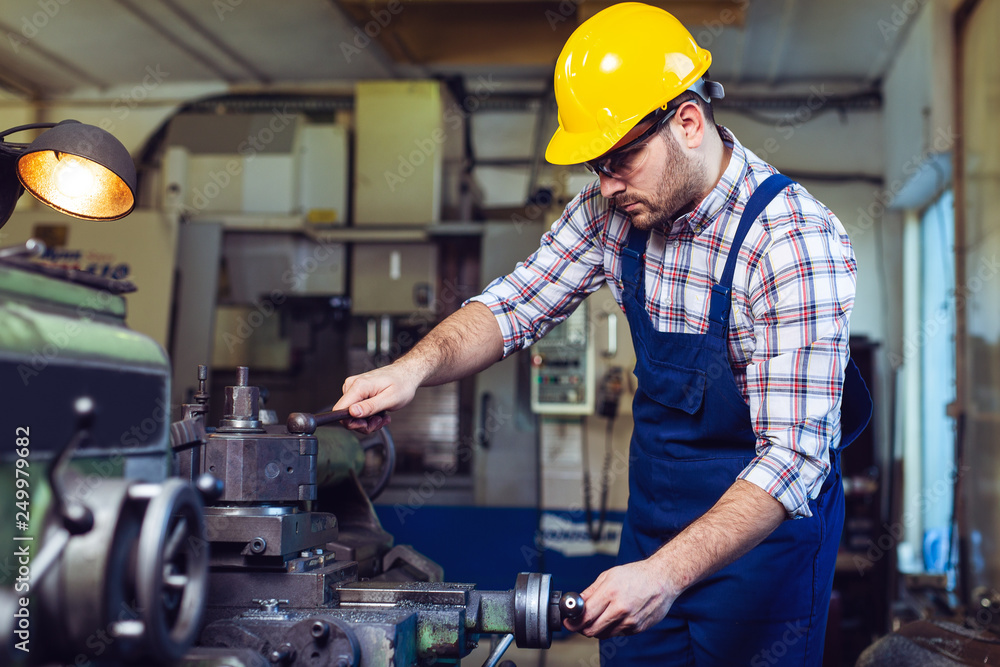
x,y
567,148
574,148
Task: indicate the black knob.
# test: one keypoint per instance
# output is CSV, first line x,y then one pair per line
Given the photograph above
x,y
571,606
77,519
302,423
210,487
84,409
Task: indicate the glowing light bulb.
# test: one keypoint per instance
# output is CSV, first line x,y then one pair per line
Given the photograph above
x,y
74,179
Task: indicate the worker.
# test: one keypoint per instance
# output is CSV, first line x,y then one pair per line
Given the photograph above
x,y
737,285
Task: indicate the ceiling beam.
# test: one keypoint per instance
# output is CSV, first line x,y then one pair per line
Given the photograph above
x,y
213,39
778,50
351,18
469,33
65,65
694,14
19,86
513,32
175,41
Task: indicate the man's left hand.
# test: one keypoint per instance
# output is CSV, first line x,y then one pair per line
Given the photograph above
x,y
625,600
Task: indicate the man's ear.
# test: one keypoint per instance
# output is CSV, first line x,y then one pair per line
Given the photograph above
x,y
691,122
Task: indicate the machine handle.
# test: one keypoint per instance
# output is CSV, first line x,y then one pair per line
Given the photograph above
x,y
498,652
306,423
571,606
30,248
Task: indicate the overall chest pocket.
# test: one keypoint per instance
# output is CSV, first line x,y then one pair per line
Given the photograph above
x,y
671,385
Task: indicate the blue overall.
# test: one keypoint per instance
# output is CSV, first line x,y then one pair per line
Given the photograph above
x,y
692,437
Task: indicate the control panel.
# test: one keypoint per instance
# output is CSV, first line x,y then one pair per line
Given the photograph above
x,y
562,368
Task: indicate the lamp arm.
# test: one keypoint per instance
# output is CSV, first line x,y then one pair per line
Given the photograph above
x,y
29,126
15,148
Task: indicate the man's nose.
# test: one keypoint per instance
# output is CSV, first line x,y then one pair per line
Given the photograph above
x,y
611,186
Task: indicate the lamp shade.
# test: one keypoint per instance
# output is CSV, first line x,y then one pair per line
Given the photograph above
x,y
80,170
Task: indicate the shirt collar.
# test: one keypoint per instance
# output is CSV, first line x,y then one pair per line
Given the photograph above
x,y
725,193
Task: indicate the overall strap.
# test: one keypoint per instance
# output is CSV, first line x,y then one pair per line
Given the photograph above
x,y
718,312
633,262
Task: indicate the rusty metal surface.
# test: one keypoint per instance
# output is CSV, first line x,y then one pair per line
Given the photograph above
x,y
235,590
383,639
418,592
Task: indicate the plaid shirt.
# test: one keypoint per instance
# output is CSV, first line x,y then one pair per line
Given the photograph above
x,y
793,292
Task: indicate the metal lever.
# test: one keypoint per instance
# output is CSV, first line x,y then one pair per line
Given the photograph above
x,y
73,517
305,423
30,248
499,651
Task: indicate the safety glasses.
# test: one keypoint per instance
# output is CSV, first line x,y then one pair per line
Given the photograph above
x,y
624,161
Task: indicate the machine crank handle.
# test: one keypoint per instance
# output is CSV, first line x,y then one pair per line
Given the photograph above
x,y
499,650
305,423
30,248
571,606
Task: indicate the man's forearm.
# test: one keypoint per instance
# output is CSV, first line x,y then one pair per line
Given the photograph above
x,y
466,342
738,522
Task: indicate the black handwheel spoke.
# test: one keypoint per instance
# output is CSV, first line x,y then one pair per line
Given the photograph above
x,y
175,538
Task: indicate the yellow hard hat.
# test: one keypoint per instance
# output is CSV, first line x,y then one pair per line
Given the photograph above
x,y
616,68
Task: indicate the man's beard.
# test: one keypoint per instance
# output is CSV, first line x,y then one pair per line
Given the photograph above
x,y
679,191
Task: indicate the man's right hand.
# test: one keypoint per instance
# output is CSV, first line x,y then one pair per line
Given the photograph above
x,y
369,395
466,342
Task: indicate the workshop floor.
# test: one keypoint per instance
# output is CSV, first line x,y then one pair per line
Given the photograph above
x,y
574,651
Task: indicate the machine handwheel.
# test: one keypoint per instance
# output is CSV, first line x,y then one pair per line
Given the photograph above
x,y
381,439
172,569
532,592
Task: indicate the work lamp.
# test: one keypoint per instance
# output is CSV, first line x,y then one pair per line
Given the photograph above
x,y
77,169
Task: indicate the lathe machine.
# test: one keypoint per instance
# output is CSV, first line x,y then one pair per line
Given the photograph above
x,y
129,539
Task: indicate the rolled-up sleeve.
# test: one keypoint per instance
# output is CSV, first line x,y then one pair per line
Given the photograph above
x,y
801,296
545,289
